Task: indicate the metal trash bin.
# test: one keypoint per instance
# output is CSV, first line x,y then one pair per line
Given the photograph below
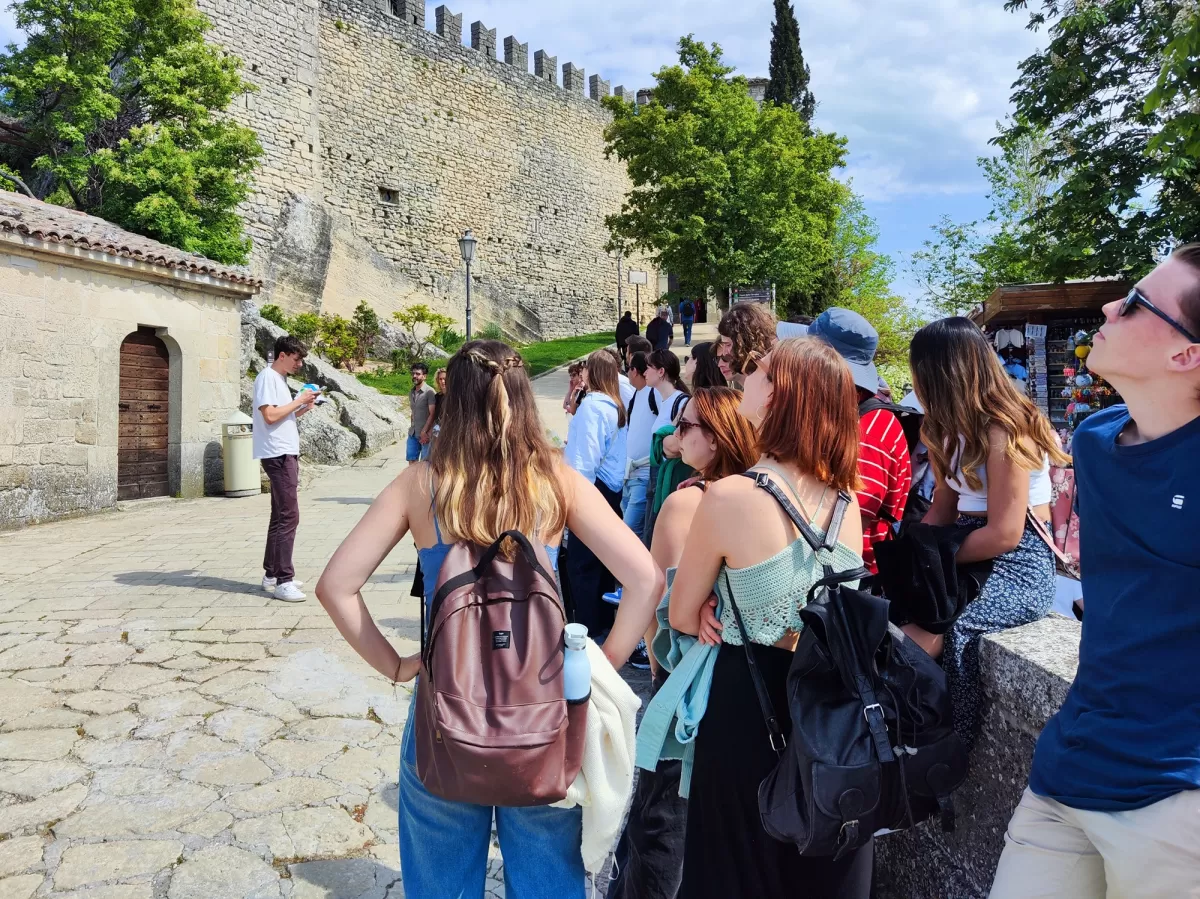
x,y
237,449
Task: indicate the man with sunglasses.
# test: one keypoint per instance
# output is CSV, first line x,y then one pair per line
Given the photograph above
x,y
1113,805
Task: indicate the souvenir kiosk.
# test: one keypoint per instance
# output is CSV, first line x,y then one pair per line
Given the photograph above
x,y
1044,332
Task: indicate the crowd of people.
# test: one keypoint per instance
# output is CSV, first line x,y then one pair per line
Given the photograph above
x,y
665,545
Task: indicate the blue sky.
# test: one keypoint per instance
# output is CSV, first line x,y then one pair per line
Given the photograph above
x,y
916,87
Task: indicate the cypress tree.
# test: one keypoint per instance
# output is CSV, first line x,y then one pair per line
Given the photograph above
x,y
789,74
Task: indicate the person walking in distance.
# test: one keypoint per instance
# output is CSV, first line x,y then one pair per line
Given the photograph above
x,y
494,471
1113,805
687,318
884,464
747,333
626,328
420,401
277,447
659,332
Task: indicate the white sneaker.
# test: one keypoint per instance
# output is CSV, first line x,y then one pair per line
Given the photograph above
x,y
268,584
289,592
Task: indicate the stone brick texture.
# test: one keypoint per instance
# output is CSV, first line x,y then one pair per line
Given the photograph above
x,y
352,99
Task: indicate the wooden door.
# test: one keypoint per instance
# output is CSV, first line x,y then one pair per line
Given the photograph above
x,y
143,417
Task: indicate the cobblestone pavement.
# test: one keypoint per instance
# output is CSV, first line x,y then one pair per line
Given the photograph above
x,y
169,730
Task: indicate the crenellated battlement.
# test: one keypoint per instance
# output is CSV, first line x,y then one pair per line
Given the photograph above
x,y
448,25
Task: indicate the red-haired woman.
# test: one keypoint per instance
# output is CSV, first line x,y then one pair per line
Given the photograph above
x,y
802,397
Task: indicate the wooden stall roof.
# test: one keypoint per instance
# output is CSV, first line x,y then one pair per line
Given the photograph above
x,y
1014,303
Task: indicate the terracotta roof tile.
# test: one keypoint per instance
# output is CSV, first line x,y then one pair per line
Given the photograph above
x,y
57,224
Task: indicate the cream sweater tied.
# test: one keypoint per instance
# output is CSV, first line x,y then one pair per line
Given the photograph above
x,y
604,786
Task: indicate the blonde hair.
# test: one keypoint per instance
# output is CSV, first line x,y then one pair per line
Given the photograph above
x,y
602,372
493,468
966,392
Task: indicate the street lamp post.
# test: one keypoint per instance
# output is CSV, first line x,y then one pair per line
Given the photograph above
x,y
466,246
620,303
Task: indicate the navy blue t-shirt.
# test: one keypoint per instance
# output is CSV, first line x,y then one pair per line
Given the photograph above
x,y
1128,734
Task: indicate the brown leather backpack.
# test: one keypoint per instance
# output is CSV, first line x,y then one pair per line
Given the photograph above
x,y
492,725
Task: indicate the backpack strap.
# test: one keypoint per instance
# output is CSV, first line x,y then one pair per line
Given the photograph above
x,y
774,732
681,399
653,401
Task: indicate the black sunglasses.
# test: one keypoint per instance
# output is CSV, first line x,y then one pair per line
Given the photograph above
x,y
684,426
1136,299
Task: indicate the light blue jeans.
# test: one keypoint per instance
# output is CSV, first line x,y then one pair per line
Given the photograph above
x,y
444,844
415,451
633,501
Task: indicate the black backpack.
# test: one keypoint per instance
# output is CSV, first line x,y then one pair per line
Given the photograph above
x,y
872,743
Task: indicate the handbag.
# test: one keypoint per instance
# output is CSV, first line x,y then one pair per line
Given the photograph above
x,y
1064,565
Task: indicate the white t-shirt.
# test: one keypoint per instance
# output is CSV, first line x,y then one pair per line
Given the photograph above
x,y
283,437
666,407
641,425
626,390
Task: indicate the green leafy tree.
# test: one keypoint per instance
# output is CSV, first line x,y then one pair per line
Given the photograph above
x,y
337,342
420,324
960,267
789,73
1117,92
305,327
724,193
115,107
365,326
860,278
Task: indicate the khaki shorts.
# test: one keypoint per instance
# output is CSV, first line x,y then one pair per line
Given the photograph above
x,y
1051,850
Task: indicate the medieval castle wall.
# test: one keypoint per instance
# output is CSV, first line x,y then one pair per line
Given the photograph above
x,y
384,140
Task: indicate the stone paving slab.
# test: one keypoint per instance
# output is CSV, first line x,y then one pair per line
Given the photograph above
x,y
169,731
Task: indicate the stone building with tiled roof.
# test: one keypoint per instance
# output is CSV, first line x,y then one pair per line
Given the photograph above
x,y
119,360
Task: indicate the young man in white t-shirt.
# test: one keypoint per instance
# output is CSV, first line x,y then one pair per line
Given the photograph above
x,y
277,446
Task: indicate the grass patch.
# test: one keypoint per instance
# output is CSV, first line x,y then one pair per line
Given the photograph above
x,y
539,357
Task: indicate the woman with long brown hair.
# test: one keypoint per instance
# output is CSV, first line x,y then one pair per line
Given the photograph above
x,y
596,449
492,470
716,441
802,397
990,449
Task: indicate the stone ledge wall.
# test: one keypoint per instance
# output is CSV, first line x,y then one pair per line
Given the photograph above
x,y
384,141
1026,674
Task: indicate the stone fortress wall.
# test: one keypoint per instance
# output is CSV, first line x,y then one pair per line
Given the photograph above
x,y
384,141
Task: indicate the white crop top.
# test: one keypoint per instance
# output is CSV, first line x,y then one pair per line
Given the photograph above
x,y
970,500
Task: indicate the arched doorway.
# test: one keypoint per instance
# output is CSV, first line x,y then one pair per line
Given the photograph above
x,y
143,417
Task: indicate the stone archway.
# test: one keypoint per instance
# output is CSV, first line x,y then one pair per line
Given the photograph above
x,y
144,422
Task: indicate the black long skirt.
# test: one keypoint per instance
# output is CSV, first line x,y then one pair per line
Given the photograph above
x,y
727,854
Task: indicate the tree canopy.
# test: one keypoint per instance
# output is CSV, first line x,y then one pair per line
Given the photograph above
x,y
724,193
1117,94
960,267
114,107
788,85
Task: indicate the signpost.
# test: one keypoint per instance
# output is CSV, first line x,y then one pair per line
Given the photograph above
x,y
637,279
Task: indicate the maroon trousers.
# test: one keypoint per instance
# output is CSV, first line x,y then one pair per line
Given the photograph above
x,y
284,474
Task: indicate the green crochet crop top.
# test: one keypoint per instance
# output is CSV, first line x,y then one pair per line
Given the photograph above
x,y
771,593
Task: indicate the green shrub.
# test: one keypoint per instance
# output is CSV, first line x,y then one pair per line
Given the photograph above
x,y
449,339
365,326
306,327
273,313
491,332
337,341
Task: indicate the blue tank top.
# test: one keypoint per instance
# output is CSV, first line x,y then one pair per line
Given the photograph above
x,y
432,558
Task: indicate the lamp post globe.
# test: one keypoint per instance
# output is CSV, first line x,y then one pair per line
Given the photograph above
x,y
466,246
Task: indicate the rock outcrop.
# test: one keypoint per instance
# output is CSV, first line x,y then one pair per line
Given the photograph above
x,y
354,420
